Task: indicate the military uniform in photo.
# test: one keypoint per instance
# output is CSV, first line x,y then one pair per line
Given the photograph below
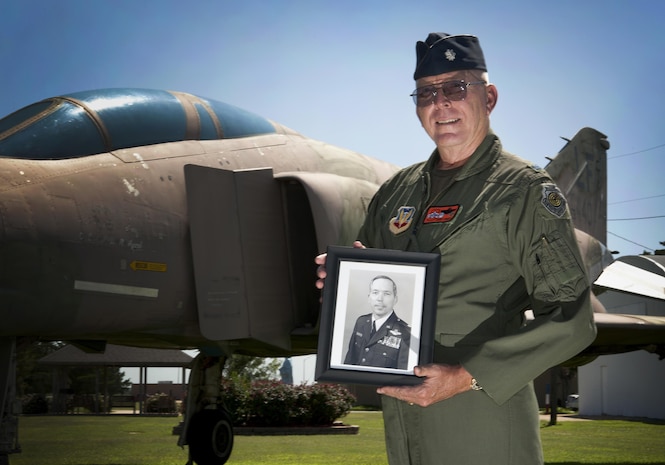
x,y
387,347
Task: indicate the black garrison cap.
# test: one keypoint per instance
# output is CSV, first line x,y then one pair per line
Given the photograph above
x,y
443,53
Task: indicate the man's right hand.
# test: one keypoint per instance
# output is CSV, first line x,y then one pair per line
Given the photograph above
x,y
321,261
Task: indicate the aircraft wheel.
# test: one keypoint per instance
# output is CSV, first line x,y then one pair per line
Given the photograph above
x,y
210,437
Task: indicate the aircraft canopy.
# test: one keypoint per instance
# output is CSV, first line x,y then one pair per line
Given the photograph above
x,y
98,121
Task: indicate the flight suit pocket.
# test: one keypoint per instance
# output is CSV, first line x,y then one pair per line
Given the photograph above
x,y
558,273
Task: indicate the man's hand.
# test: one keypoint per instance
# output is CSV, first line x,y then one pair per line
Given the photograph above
x,y
441,382
321,261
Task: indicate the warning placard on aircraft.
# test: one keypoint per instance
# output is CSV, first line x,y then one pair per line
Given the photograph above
x,y
147,266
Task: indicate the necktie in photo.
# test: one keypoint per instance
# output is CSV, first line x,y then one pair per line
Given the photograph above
x,y
373,328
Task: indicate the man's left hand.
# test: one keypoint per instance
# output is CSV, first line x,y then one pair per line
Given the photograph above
x,y
441,382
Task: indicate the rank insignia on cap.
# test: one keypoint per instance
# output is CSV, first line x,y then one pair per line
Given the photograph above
x,y
443,53
440,214
402,221
553,200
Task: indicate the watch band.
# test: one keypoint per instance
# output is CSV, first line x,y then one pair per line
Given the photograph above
x,y
475,386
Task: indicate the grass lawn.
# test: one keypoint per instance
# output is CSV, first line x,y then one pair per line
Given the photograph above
x,y
126,440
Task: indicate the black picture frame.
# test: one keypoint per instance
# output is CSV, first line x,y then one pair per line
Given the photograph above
x,y
350,272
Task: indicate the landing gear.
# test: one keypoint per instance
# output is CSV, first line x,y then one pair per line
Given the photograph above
x,y
210,437
207,428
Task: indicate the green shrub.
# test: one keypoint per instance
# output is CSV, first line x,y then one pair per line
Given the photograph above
x,y
34,404
234,395
328,402
160,403
271,403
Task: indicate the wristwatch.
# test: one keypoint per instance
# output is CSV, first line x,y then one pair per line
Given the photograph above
x,y
475,386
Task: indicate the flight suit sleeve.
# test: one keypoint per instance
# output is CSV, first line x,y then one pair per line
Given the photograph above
x,y
540,242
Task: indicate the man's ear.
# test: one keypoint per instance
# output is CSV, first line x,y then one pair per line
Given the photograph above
x,y
492,97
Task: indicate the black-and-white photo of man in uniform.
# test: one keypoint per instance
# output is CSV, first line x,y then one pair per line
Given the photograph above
x,y
380,338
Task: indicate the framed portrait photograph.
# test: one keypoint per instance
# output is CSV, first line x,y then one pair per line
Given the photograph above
x,y
377,317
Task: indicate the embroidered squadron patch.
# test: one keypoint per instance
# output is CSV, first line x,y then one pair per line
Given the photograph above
x,y
553,200
403,220
440,214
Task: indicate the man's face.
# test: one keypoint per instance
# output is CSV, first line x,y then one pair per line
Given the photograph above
x,y
382,297
457,125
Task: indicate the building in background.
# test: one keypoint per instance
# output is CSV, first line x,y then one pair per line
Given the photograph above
x,y
630,384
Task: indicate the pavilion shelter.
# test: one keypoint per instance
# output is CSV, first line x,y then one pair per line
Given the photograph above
x,y
113,356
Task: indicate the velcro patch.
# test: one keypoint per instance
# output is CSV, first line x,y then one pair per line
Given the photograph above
x,y
553,200
402,220
440,214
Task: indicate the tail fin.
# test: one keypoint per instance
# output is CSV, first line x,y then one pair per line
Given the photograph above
x,y
580,171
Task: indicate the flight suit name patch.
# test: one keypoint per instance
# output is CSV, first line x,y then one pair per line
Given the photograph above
x,y
553,200
440,214
402,220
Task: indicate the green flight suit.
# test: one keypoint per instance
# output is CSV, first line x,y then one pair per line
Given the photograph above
x,y
507,243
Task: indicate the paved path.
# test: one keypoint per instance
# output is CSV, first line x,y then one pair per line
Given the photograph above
x,y
565,417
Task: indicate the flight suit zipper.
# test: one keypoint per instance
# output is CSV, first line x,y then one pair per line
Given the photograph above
x,y
424,196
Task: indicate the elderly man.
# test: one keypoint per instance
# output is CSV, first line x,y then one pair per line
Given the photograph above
x,y
507,244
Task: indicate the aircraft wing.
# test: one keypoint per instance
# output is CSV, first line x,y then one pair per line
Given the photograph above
x,y
643,276
638,274
624,277
618,332
621,333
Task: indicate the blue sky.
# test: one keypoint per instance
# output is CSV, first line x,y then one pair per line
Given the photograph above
x,y
342,71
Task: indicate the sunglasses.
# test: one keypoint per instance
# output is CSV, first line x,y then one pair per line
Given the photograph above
x,y
452,90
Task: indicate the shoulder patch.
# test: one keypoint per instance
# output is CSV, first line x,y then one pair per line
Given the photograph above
x,y
553,200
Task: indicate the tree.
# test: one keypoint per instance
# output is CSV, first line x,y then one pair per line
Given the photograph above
x,y
660,251
243,369
31,377
86,380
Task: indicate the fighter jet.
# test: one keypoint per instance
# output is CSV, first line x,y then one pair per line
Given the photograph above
x,y
161,219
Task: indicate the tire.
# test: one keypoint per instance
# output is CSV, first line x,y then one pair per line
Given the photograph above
x,y
210,437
